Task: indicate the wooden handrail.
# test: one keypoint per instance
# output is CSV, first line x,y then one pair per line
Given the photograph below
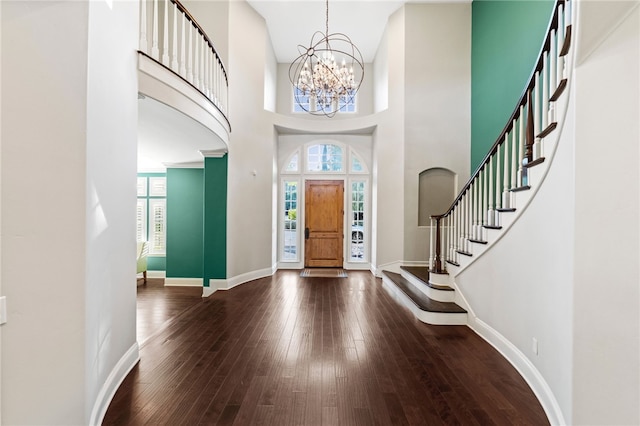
x,y
553,25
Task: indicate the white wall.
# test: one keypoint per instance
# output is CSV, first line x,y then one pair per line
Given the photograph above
x,y
68,173
381,75
388,152
111,150
437,105
1,293
522,286
606,371
213,17
249,209
43,176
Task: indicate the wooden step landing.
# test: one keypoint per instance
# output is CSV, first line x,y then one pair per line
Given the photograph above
x,y
422,273
423,302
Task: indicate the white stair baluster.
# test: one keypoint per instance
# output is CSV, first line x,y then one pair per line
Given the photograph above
x,y
155,52
183,57
165,35
190,54
212,65
485,196
560,59
553,74
431,239
196,60
506,199
491,214
514,156
174,48
545,92
474,210
520,174
498,198
143,44
205,68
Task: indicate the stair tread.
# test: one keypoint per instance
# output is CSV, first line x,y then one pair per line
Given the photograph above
x,y
420,299
422,273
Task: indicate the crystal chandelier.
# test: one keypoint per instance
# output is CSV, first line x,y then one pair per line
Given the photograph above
x,y
321,86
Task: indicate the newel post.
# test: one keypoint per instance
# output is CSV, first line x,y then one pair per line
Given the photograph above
x,y
437,267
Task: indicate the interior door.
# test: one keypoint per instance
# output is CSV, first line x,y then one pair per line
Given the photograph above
x,y
324,223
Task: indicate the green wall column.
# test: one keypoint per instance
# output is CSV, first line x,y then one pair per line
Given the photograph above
x,y
185,205
215,219
506,37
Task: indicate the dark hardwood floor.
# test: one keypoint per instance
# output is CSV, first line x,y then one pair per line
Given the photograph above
x,y
310,351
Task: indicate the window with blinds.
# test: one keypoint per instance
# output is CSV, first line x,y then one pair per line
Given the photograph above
x,y
157,225
151,213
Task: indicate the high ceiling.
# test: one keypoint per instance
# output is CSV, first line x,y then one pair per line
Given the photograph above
x,y
291,23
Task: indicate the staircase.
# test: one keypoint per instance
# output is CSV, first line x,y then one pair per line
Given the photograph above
x,y
499,191
428,296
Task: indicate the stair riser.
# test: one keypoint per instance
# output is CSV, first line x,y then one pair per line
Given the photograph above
x,y
433,318
440,279
432,293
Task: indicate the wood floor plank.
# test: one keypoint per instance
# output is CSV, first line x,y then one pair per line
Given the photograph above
x,y
322,351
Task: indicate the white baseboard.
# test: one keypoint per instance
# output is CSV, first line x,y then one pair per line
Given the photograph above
x,y
229,283
208,291
113,382
521,363
183,282
156,274
391,266
357,266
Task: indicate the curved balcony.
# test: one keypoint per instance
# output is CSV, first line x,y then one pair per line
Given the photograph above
x,y
182,84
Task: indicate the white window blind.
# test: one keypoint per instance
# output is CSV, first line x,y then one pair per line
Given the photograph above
x,y
157,225
141,220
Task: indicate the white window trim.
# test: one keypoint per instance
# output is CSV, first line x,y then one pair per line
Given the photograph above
x,y
143,186
339,111
299,216
352,155
284,171
367,221
345,159
152,186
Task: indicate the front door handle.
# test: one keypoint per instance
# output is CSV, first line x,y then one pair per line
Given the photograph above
x,y
306,233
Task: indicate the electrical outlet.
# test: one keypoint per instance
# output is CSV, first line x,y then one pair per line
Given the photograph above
x,y
534,346
3,309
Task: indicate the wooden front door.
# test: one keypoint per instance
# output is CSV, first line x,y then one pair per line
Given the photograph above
x,y
324,201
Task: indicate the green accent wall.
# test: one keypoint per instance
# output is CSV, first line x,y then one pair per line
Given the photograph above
x,y
506,38
185,205
215,219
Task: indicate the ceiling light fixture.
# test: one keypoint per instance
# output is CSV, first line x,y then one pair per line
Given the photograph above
x,y
321,86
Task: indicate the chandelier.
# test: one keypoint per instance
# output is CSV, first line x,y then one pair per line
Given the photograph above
x,y
321,86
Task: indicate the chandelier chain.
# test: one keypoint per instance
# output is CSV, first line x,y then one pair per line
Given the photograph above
x,y
327,19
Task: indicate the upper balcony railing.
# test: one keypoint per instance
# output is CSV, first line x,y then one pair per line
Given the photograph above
x,y
172,37
505,169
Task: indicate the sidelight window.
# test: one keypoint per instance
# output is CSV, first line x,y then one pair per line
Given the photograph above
x,y
290,245
357,220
